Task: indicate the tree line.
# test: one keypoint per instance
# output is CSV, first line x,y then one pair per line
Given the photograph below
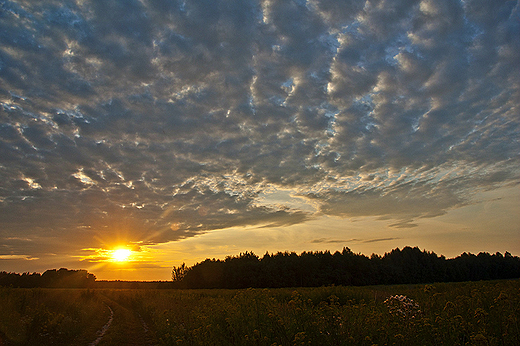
x,y
61,278
313,269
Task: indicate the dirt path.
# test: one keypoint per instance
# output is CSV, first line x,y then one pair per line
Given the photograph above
x,y
103,330
124,327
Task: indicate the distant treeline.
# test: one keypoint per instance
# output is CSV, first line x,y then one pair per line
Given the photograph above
x,y
312,269
119,284
61,278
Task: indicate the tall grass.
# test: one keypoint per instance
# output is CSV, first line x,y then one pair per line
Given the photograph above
x,y
474,313
50,316
470,313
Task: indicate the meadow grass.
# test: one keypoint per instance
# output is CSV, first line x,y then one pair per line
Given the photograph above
x,y
468,313
471,313
50,316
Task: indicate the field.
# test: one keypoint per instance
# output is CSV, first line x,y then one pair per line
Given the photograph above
x,y
469,313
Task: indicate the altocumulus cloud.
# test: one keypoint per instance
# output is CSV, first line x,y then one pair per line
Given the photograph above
x,y
168,119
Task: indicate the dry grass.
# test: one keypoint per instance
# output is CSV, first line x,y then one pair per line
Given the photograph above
x,y
471,313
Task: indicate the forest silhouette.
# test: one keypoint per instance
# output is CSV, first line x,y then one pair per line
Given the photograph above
x,y
313,269
61,278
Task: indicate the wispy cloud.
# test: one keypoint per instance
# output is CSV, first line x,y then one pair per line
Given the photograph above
x,y
18,257
350,241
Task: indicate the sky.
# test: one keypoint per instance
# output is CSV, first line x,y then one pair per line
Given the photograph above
x,y
185,130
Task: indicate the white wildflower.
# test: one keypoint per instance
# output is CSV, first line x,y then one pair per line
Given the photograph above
x,y
400,305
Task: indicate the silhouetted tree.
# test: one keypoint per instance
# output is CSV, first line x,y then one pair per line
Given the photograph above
x,y
288,269
63,278
178,273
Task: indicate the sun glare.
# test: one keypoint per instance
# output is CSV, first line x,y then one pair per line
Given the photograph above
x,y
121,255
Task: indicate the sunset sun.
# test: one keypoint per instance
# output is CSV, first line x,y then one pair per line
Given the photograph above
x,y
121,255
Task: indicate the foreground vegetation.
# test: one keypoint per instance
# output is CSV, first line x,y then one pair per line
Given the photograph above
x,y
467,313
41,316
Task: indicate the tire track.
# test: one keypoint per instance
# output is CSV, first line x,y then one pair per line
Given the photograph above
x,y
124,327
104,329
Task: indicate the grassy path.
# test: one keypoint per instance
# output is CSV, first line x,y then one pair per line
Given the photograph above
x,y
103,330
127,328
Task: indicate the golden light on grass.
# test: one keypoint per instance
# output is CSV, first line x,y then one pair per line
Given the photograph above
x,y
121,255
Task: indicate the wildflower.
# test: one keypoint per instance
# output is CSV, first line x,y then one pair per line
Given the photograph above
x,y
480,313
501,296
479,339
449,306
400,305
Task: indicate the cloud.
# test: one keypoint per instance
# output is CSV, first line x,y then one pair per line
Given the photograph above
x,y
349,241
161,120
378,240
17,257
